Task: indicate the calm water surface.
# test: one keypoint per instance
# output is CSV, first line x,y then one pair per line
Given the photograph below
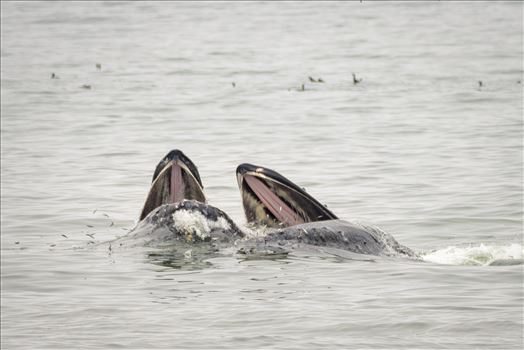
x,y
417,148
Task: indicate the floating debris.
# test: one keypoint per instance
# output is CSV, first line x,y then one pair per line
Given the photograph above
x,y
85,86
52,245
17,242
302,88
481,84
94,211
98,66
233,84
270,253
313,80
90,235
105,215
112,223
54,76
355,80
243,251
64,236
89,225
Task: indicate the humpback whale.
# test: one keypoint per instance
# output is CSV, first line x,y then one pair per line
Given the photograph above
x,y
176,209
272,200
176,213
177,219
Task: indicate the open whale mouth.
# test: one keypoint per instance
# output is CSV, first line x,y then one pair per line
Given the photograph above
x,y
271,199
176,178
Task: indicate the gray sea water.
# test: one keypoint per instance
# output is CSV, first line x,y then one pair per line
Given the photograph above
x,y
417,148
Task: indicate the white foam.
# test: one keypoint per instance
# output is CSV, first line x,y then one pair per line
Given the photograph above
x,y
196,223
474,255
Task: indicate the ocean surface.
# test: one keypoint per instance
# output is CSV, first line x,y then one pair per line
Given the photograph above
x,y
427,146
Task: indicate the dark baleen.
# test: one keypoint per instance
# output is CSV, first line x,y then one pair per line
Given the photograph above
x,y
271,199
176,178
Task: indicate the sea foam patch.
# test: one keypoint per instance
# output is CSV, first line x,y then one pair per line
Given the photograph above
x,y
476,255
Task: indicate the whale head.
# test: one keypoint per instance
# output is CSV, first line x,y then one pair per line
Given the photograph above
x,y
175,178
272,200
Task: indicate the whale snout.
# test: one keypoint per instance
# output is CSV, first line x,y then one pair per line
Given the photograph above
x,y
176,178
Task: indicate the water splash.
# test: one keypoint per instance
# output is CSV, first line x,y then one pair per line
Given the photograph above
x,y
195,222
479,255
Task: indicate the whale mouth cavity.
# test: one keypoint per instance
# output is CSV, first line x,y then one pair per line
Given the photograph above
x,y
174,182
275,207
272,200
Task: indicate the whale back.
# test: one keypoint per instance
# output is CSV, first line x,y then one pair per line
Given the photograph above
x,y
345,235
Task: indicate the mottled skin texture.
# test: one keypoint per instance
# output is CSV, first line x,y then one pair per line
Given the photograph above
x,y
159,229
342,235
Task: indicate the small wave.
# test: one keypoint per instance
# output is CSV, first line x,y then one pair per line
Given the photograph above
x,y
480,255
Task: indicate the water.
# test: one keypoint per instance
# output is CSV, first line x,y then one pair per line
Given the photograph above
x,y
417,148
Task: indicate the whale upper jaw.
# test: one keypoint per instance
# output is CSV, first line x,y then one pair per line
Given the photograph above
x,y
270,199
176,178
